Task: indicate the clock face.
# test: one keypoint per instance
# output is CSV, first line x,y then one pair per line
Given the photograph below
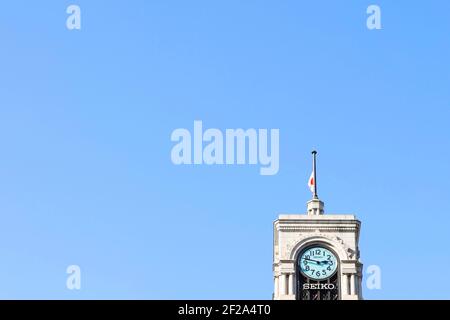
x,y
318,263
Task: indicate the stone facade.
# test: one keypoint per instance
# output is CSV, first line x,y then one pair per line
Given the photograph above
x,y
293,232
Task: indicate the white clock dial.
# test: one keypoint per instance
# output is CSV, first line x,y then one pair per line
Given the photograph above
x,y
318,263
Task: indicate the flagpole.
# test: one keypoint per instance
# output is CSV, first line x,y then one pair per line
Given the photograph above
x,y
314,153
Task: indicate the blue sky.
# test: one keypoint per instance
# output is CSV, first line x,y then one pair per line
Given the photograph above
x,y
86,118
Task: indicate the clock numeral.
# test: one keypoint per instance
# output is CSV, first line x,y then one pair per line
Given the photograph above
x,y
307,268
324,273
312,271
318,273
329,268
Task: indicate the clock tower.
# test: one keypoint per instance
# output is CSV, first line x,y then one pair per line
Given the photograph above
x,y
316,255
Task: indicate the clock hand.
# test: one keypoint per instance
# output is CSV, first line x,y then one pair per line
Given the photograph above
x,y
317,262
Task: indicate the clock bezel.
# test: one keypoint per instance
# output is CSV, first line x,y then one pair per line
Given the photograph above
x,y
315,245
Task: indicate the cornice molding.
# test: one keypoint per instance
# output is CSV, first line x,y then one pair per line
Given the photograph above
x,y
315,228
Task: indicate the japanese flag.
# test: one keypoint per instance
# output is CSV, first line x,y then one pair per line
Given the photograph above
x,y
311,182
